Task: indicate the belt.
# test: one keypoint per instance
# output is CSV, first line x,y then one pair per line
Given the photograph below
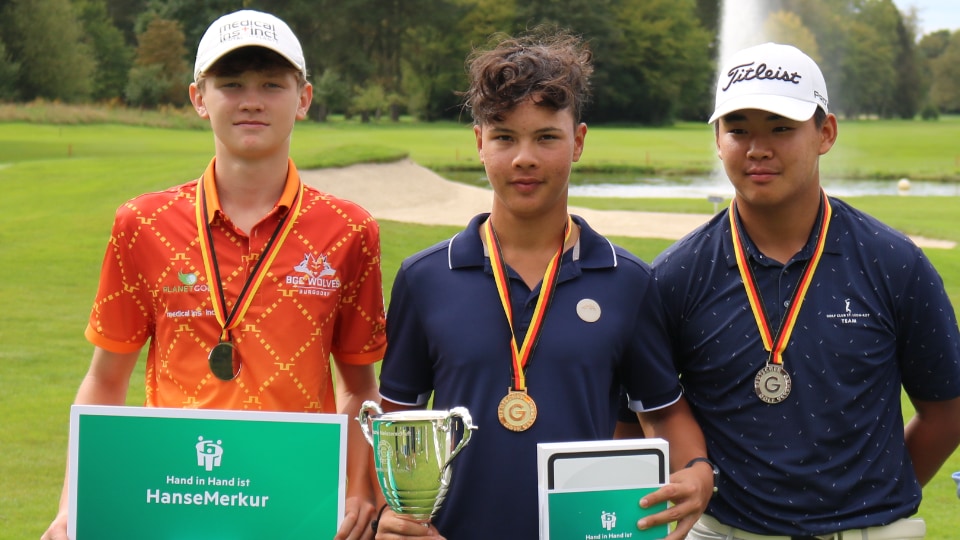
x,y
904,529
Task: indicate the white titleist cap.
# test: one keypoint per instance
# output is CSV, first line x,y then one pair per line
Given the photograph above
x,y
248,28
771,77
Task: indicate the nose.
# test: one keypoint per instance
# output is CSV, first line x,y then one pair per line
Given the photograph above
x,y
759,148
251,100
526,156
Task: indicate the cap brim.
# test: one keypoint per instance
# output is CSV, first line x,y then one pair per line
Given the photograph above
x,y
787,107
240,45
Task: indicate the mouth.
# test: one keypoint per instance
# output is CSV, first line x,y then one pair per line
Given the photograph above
x,y
763,174
525,184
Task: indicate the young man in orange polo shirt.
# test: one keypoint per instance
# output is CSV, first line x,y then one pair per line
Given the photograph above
x,y
243,283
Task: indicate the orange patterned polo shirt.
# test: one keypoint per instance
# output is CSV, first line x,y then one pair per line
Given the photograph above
x,y
321,295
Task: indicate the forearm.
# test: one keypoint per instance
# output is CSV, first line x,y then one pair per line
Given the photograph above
x,y
677,425
355,385
932,435
106,383
108,379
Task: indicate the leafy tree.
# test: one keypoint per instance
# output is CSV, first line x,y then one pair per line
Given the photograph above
x,y
369,100
146,86
124,15
654,63
933,44
830,25
433,64
330,93
911,85
945,92
162,44
481,19
46,39
789,29
113,56
8,75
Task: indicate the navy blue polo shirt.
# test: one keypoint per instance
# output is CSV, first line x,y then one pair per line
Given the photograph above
x,y
831,456
447,335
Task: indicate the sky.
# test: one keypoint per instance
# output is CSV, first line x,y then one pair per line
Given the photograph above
x,y
934,14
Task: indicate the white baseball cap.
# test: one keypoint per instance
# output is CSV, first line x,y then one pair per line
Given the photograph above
x,y
248,28
771,77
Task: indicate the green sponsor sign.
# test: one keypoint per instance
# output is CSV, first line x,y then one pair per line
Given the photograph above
x,y
591,490
151,473
602,515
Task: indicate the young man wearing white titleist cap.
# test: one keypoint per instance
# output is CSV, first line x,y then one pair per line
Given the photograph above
x,y
243,283
796,320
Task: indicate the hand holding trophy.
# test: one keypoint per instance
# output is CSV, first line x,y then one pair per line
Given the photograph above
x,y
412,451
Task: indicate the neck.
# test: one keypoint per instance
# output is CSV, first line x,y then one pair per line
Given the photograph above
x,y
248,191
528,246
781,232
528,235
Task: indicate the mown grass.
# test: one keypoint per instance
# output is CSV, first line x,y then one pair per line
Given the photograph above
x,y
61,184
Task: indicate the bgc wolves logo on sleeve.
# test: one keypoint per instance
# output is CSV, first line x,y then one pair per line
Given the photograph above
x,y
314,276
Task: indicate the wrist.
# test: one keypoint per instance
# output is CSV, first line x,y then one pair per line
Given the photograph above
x,y
713,468
376,522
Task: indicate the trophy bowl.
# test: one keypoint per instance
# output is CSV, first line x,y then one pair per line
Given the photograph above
x,y
412,451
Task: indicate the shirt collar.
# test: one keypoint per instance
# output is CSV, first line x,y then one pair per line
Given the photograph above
x,y
832,246
466,250
290,189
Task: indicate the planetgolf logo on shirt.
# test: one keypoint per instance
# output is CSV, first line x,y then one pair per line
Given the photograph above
x,y
187,282
316,276
848,315
187,278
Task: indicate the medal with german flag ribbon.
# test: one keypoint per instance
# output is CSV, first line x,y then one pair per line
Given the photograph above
x,y
517,411
772,383
224,359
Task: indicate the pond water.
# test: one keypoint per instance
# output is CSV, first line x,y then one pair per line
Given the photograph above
x,y
627,186
706,187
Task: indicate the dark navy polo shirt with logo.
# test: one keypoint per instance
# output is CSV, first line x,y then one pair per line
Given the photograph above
x,y
447,334
831,456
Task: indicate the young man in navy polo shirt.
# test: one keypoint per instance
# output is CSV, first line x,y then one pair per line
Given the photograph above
x,y
796,320
582,314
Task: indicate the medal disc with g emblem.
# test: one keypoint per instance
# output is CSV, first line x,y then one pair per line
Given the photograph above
x,y
517,411
772,384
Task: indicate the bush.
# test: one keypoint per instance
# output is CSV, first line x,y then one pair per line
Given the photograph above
x,y
930,112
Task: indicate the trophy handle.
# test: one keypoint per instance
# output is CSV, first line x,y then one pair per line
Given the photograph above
x,y
364,418
464,415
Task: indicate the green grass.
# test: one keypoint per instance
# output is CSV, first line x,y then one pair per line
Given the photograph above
x,y
62,183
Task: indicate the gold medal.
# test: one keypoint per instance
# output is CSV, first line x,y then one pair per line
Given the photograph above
x,y
517,411
772,384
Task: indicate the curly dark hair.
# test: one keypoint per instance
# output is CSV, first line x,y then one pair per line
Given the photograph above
x,y
550,66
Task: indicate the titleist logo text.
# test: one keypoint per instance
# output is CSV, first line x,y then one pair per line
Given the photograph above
x,y
746,72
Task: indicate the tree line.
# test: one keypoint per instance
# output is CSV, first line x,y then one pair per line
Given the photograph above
x,y
655,60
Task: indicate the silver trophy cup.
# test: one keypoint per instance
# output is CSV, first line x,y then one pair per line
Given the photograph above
x,y
412,451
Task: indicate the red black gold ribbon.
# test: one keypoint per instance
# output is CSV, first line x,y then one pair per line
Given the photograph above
x,y
521,355
775,344
259,271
